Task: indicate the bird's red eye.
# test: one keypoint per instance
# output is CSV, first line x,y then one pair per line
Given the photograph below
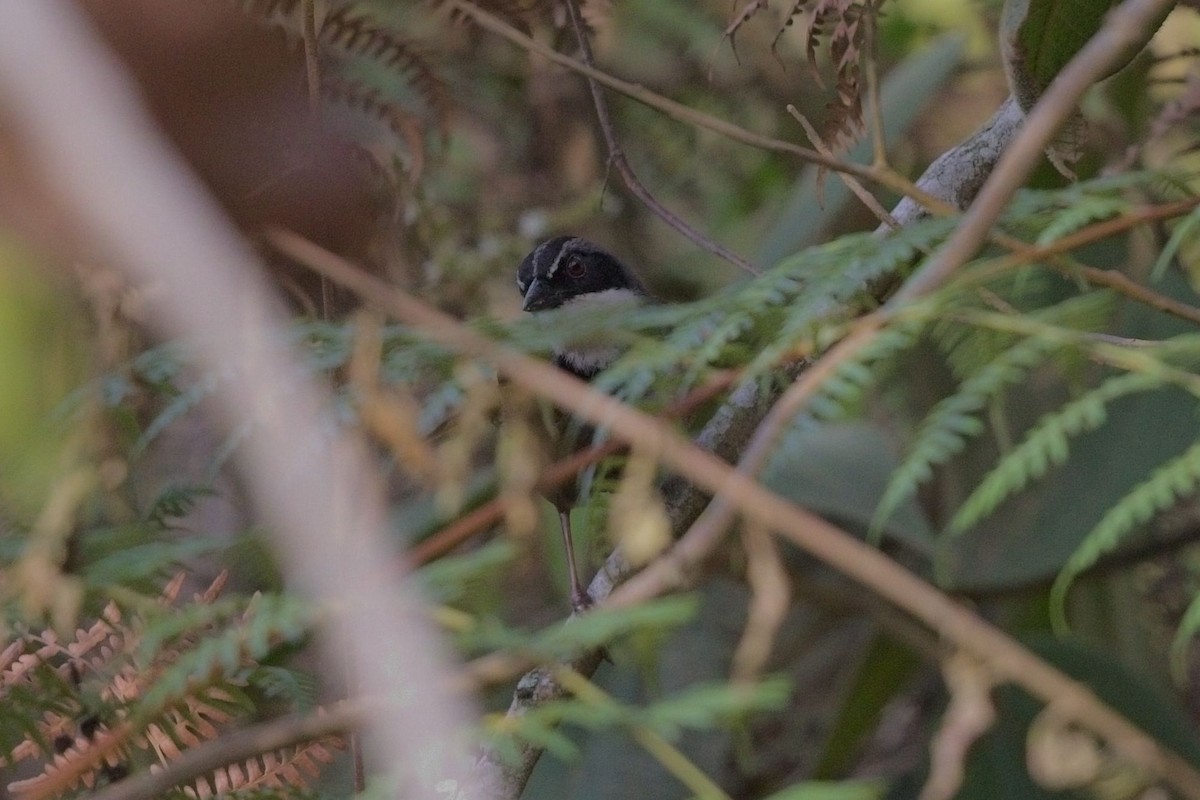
x,y
575,268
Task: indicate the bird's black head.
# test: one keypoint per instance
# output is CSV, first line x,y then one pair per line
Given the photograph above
x,y
567,269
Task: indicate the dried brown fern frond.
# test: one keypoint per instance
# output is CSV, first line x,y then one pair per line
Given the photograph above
x,y
287,768
378,129
845,27
518,13
842,27
743,15
98,659
101,752
90,650
185,686
526,14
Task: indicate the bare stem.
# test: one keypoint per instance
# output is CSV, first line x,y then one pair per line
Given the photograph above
x,y
617,158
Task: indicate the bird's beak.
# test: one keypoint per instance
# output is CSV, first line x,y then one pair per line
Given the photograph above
x,y
537,296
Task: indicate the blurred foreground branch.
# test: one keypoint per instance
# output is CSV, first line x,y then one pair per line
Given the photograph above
x,y
85,134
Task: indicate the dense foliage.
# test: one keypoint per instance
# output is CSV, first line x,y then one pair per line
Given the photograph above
x,y
1022,435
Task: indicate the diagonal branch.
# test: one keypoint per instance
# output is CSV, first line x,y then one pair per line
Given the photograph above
x,y
1008,659
1126,27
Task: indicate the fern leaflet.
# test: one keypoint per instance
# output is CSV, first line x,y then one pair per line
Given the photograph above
x,y
954,420
1172,480
1046,445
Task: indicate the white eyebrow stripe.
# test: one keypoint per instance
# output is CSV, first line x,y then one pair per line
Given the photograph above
x,y
554,267
567,245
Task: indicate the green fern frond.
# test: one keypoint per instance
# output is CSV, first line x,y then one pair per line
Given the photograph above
x,y
348,32
1168,483
1047,445
845,388
179,406
980,340
1184,229
1077,215
271,621
712,704
944,433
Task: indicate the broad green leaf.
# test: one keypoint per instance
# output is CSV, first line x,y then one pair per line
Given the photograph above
x,y
1039,37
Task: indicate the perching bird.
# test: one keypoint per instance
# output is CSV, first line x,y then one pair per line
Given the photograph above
x,y
569,272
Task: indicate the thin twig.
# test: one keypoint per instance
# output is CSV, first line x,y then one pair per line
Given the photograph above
x,y
851,182
558,473
1112,279
875,104
959,626
885,177
1052,110
669,756
616,157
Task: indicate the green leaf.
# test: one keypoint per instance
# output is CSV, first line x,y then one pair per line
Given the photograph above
x,y
1039,37
840,470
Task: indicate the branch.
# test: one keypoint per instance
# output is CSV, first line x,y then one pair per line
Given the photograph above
x,y
953,180
617,158
686,114
960,627
1127,26
957,175
488,514
129,196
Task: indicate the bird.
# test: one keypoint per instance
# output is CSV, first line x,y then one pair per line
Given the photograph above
x,y
569,272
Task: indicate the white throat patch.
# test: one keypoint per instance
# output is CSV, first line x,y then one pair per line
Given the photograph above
x,y
598,357
607,297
